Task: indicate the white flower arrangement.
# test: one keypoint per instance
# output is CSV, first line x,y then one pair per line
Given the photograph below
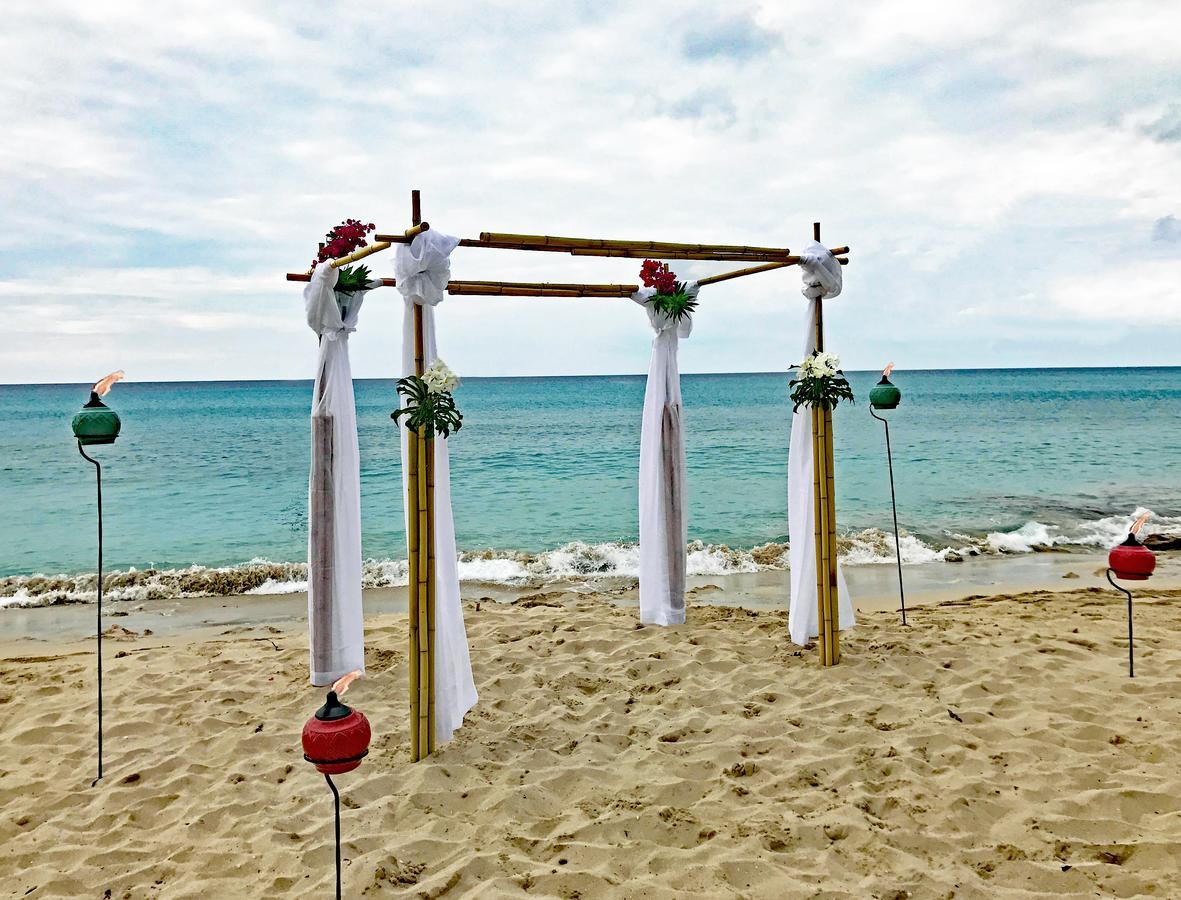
x,y
820,382
820,365
439,378
430,408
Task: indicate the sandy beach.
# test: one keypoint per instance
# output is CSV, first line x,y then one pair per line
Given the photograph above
x,y
994,748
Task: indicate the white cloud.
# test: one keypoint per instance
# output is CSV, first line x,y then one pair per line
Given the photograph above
x,y
1124,294
168,166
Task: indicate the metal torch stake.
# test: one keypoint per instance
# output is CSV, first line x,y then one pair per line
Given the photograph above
x,y
894,507
98,633
336,797
1128,594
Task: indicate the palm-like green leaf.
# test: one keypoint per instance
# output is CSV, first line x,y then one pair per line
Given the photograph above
x,y
352,278
437,413
676,305
823,391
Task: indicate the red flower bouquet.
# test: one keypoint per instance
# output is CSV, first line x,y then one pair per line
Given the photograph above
x,y
342,240
671,297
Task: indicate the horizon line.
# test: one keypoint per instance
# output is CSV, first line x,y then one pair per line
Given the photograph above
x,y
588,375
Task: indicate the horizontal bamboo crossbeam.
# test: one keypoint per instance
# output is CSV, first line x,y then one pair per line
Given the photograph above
x,y
603,288
524,289
515,288
360,254
406,236
738,273
306,276
626,253
381,242
650,247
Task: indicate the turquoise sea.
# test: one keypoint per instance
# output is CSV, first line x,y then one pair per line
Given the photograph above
x,y
214,474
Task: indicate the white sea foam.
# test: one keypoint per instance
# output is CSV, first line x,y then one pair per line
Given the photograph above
x,y
573,561
1105,532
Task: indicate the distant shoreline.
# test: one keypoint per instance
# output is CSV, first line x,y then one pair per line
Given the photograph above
x,y
392,377
874,589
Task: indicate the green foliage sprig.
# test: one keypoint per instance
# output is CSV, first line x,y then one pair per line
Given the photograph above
x,y
676,305
821,383
429,403
350,279
671,297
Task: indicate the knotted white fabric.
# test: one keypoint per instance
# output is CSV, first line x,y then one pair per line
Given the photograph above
x,y
336,627
423,269
821,271
663,519
822,280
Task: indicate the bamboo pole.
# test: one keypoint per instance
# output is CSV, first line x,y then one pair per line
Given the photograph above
x,y
492,289
382,242
412,542
738,273
818,537
824,510
432,587
649,247
304,276
824,551
406,236
833,585
568,286
627,253
360,254
422,588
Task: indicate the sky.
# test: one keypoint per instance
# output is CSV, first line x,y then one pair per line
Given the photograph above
x,y
1008,175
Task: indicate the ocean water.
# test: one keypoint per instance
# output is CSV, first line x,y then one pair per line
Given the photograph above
x,y
214,474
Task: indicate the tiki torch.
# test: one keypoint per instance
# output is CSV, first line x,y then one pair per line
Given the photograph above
x,y
97,423
335,740
1131,561
884,395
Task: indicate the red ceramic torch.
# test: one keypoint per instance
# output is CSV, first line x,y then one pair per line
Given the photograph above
x,y
335,740
1130,561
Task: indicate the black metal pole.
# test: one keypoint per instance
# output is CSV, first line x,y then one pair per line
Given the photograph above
x,y
336,796
894,507
1128,594
98,632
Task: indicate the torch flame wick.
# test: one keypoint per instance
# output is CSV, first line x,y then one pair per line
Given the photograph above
x,y
886,371
342,684
1139,523
103,386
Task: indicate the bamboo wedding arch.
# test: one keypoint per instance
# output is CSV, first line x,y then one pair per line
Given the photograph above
x,y
420,469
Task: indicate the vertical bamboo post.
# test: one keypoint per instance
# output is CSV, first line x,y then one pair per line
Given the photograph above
x,y
432,581
834,615
421,515
412,542
820,531
824,514
425,539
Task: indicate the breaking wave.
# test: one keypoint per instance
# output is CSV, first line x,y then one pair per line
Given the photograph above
x,y
576,561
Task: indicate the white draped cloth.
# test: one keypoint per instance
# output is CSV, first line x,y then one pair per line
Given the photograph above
x,y
663,515
422,269
822,280
336,628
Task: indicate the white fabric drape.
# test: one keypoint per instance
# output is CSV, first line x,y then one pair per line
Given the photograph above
x,y
422,269
822,280
336,629
663,514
